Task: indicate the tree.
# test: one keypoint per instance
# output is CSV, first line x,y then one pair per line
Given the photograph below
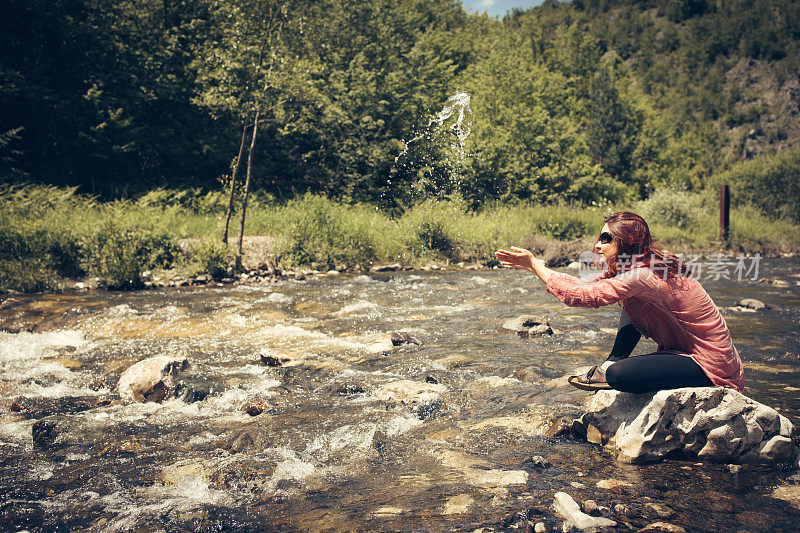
x,y
255,67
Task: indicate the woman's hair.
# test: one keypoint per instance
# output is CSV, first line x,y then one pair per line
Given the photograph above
x,y
635,244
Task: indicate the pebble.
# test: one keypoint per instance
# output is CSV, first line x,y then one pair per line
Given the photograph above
x,y
541,527
662,511
615,485
538,461
623,510
577,485
590,507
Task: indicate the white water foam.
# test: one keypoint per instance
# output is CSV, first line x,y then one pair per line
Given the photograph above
x,y
361,307
27,360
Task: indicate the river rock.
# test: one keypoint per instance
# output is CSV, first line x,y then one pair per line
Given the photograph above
x,y
44,433
568,509
528,326
662,527
752,303
393,267
151,380
409,392
706,423
659,510
788,493
399,338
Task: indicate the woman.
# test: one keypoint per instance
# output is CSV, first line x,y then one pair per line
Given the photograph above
x,y
659,300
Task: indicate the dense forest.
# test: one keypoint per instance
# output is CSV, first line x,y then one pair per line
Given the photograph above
x,y
572,101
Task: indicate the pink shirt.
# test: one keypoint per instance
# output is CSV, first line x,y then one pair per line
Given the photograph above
x,y
677,313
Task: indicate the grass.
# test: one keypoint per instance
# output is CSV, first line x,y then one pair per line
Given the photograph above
x,y
49,234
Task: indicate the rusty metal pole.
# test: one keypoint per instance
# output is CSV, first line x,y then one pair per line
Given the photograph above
x,y
724,213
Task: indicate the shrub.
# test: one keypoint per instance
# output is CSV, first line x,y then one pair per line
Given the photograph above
x,y
119,256
430,229
210,257
673,207
770,182
29,275
316,230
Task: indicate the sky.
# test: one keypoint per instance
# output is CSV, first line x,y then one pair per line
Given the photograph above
x,y
497,8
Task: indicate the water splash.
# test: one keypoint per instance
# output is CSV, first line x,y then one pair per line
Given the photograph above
x,y
461,126
433,160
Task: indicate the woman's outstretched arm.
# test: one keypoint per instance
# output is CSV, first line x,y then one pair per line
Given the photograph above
x,y
524,260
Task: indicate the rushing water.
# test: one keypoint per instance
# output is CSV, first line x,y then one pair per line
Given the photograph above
x,y
328,450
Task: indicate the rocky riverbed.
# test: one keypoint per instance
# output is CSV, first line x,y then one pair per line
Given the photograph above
x,y
388,401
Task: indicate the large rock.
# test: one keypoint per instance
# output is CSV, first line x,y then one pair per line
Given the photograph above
x,y
706,423
151,380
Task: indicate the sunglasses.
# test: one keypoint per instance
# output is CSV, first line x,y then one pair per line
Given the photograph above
x,y
605,238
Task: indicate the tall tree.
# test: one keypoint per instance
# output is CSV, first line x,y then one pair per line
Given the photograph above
x,y
258,67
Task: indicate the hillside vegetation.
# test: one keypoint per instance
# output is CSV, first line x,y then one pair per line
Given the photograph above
x,y
582,105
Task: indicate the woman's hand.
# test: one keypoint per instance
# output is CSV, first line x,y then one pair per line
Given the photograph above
x,y
523,259
516,258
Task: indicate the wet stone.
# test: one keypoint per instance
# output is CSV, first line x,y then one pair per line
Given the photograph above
x,y
152,379
614,485
752,303
31,408
537,461
662,527
714,424
541,527
393,267
568,509
255,408
623,510
561,427
45,433
659,510
400,338
350,389
528,326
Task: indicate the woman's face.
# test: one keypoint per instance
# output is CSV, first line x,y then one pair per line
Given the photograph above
x,y
607,250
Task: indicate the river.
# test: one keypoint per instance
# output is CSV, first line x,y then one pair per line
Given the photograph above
x,y
322,446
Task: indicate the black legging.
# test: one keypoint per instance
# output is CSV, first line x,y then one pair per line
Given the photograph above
x,y
656,371
650,372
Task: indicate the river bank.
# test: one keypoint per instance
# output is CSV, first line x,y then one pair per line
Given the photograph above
x,y
54,239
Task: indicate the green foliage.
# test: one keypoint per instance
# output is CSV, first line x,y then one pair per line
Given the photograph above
x,y
32,275
583,102
772,183
315,230
120,256
112,255
208,257
48,234
674,207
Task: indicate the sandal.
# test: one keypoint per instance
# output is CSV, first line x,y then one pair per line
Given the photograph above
x,y
594,379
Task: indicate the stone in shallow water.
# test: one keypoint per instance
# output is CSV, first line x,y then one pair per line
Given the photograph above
x,y
788,493
458,504
709,423
152,379
410,392
752,303
528,326
663,527
568,509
